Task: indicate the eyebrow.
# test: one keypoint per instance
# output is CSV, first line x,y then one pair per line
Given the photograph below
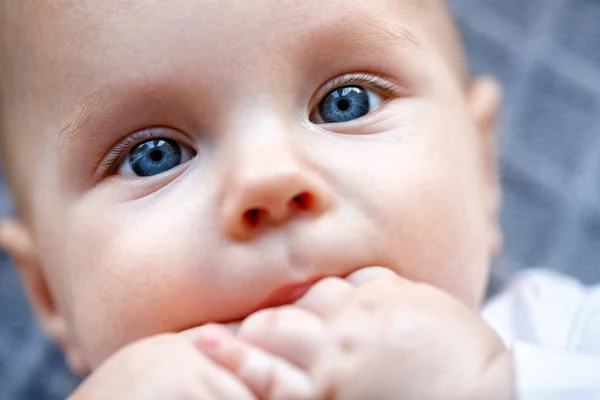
x,y
396,33
372,29
81,118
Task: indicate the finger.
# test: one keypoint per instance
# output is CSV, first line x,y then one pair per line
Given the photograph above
x,y
365,275
288,332
326,297
220,383
268,376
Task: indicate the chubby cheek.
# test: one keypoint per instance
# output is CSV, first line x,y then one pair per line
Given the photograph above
x,y
442,223
426,202
141,271
440,241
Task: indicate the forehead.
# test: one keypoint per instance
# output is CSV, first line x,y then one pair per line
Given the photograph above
x,y
206,11
253,24
88,39
96,34
77,43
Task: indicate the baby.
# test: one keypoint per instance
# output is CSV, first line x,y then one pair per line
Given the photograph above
x,y
227,199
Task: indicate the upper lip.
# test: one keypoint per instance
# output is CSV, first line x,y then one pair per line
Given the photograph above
x,y
287,294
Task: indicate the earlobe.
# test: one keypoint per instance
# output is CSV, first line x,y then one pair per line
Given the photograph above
x,y
16,240
485,96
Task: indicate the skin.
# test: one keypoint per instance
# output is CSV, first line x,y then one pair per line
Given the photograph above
x,y
370,335
109,259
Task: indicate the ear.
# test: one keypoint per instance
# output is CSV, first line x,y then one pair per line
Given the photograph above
x,y
16,240
484,97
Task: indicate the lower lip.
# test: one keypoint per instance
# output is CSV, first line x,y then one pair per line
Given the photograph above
x,y
286,296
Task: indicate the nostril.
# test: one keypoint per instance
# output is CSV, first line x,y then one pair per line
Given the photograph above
x,y
303,201
252,217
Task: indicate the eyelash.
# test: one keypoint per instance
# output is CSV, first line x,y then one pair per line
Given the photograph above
x,y
377,82
118,152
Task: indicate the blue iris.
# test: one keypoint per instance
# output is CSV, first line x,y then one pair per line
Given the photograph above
x,y
154,157
344,104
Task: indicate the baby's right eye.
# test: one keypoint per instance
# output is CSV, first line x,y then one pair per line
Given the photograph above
x,y
154,157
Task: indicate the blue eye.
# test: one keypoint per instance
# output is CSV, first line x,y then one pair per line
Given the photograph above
x,y
154,157
345,104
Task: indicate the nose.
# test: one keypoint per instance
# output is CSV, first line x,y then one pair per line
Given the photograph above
x,y
266,189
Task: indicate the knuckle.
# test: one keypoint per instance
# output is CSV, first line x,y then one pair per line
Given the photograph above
x,y
349,340
258,323
365,275
327,284
290,312
347,344
385,287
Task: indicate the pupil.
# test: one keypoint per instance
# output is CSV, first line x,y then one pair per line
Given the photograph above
x,y
156,155
343,105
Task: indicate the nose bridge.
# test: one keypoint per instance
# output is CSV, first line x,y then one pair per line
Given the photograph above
x,y
269,181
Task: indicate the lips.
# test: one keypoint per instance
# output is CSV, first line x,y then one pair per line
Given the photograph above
x,y
287,294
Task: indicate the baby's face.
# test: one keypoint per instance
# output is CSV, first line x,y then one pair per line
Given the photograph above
x,y
193,161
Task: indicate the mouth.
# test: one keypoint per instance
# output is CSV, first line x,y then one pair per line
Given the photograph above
x,y
287,294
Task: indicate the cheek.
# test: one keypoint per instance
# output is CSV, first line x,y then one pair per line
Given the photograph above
x,y
424,199
442,221
439,236
138,270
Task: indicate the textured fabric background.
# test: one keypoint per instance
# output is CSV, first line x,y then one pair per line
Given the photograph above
x,y
547,54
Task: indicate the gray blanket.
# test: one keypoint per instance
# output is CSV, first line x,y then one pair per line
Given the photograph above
x,y
547,54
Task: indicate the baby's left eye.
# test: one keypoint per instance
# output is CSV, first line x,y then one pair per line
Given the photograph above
x,y
154,157
346,104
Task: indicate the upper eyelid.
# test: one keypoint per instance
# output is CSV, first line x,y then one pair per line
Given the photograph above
x,y
111,159
378,82
121,148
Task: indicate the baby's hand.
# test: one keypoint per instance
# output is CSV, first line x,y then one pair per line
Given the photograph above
x,y
173,366
375,335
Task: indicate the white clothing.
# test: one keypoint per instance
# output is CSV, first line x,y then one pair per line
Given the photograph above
x,y
552,324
